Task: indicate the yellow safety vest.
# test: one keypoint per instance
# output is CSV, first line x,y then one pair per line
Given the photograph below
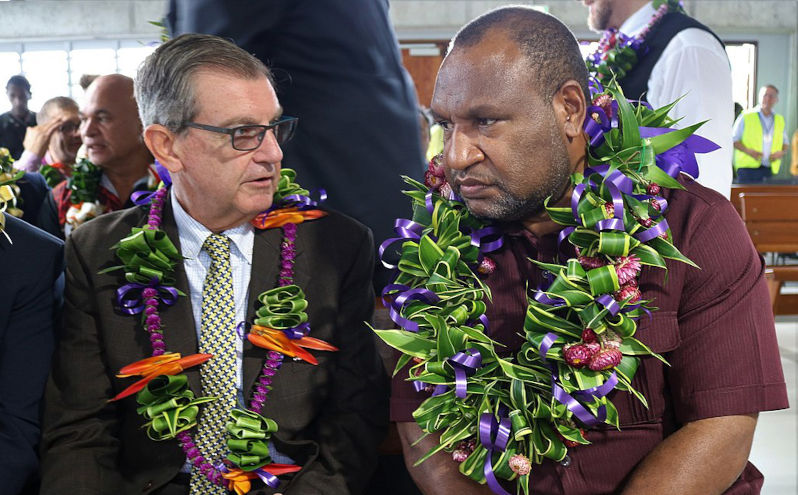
x,y
752,138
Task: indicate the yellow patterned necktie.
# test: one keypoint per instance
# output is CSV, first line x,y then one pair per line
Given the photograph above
x,y
218,375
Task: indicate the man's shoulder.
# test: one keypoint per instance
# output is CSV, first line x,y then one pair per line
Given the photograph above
x,y
107,229
339,223
26,240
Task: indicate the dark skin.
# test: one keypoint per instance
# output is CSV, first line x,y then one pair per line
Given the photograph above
x,y
485,122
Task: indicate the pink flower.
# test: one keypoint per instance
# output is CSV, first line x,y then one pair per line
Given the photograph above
x,y
655,204
459,455
606,359
629,291
446,191
520,464
605,102
432,181
653,189
609,210
588,335
645,222
486,266
576,355
435,166
610,340
627,268
590,262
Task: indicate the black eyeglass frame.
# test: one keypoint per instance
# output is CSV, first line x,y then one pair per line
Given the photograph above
x,y
230,131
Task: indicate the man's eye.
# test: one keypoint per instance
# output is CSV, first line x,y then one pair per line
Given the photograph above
x,y
445,124
486,121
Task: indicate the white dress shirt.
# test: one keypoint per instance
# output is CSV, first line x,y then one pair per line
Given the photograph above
x,y
694,64
192,235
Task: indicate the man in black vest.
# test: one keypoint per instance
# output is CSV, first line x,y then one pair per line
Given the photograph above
x,y
678,56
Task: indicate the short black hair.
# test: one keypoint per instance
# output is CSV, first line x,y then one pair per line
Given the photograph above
x,y
549,46
20,81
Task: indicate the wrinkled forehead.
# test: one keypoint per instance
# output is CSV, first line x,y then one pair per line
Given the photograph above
x,y
492,71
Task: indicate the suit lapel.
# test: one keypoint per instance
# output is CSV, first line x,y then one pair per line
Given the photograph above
x,y
178,320
265,270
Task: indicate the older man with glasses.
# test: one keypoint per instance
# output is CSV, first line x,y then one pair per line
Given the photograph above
x,y
231,411
54,142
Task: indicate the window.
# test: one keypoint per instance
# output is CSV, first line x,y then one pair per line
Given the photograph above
x,y
55,68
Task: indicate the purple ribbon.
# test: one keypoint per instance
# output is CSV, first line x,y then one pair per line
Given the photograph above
x,y
579,190
479,236
680,158
609,303
616,177
298,331
303,201
595,130
267,478
494,435
465,364
573,405
405,296
655,231
407,229
128,297
543,298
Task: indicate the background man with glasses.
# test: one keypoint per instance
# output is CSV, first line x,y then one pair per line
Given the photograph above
x,y
213,120
55,141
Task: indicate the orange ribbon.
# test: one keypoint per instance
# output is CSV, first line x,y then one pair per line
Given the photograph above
x,y
240,480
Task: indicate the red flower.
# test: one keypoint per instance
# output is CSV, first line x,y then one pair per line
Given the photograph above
x,y
610,339
606,359
588,336
653,189
590,262
486,266
628,291
576,355
435,166
432,181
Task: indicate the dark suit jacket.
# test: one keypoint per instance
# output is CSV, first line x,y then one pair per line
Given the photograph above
x,y
334,412
337,67
29,268
34,193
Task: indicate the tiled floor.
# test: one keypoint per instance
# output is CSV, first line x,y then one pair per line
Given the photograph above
x,y
775,449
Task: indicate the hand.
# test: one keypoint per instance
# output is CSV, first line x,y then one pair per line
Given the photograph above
x,y
37,138
756,154
777,155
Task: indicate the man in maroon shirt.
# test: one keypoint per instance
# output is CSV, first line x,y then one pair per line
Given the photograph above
x,y
511,98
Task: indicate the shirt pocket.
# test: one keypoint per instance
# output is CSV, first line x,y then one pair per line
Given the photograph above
x,y
660,333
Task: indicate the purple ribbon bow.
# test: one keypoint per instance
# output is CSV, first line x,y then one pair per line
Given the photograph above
x,y
405,296
129,296
494,435
573,405
680,158
465,364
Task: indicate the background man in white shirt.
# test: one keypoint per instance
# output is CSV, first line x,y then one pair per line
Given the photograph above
x,y
681,57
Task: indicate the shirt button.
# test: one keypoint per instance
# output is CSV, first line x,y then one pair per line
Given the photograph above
x,y
566,461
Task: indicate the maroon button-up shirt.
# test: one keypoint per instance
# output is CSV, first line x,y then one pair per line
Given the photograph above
x,y
714,325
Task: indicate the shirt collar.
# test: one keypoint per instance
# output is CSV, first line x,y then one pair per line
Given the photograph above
x,y
637,21
193,234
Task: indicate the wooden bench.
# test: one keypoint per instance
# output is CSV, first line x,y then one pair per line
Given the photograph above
x,y
772,222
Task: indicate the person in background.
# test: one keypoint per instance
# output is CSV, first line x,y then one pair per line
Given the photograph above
x,y
111,131
794,163
52,145
760,139
338,68
31,264
14,123
679,58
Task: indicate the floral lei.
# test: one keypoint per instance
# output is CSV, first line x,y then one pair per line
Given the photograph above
x,y
497,415
9,191
617,53
168,406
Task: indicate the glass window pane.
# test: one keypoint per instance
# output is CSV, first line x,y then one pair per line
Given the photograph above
x,y
91,61
47,72
131,58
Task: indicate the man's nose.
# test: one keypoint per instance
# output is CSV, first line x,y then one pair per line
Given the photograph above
x,y
461,150
269,149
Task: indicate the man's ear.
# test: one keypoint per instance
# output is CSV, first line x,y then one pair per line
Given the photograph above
x,y
161,142
570,107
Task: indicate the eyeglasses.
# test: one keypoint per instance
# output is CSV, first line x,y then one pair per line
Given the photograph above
x,y
69,127
249,137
